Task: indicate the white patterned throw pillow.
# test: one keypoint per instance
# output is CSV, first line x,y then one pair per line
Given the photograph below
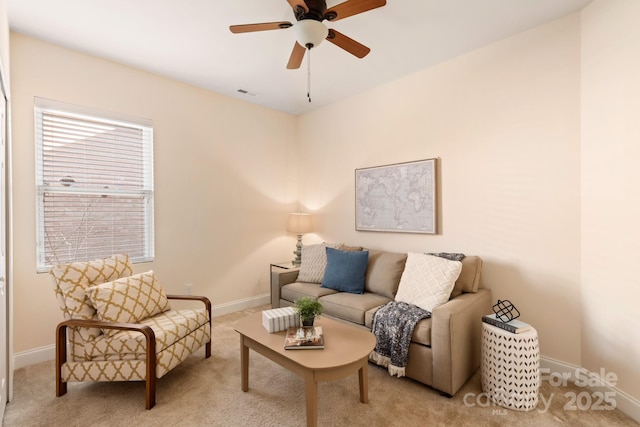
x,y
427,280
314,261
129,299
74,278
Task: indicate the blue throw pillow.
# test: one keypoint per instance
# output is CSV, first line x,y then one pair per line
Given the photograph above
x,y
345,270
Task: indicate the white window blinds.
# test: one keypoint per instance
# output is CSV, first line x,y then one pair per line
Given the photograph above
x,y
94,179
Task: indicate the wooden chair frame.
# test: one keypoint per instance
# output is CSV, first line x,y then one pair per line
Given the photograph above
x,y
150,359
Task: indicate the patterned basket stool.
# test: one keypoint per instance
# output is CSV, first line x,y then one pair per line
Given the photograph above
x,y
510,367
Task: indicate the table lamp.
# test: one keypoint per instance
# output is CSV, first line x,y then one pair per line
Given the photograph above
x,y
299,223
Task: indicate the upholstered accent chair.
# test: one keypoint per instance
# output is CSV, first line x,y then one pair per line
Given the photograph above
x,y
120,326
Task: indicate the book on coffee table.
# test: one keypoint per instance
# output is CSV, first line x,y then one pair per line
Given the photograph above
x,y
304,338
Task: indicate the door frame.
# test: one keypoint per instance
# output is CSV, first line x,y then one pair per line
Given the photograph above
x,y
4,85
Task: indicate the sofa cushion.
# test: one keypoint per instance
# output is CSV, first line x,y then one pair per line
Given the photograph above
x,y
383,272
293,291
351,307
345,270
422,332
368,317
427,280
469,279
128,299
313,262
74,278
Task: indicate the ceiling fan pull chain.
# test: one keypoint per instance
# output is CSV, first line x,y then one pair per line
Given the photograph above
x,y
309,74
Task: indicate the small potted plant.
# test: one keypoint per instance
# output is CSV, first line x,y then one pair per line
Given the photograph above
x,y
308,309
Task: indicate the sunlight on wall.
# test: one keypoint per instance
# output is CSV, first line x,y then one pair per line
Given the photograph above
x,y
504,122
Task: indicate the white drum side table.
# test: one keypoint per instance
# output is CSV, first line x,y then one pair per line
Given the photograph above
x,y
510,367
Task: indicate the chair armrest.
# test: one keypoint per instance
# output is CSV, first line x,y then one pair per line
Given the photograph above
x,y
61,334
456,339
61,331
203,299
150,356
279,279
207,304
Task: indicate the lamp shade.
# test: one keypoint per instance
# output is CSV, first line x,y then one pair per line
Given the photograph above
x,y
310,32
299,223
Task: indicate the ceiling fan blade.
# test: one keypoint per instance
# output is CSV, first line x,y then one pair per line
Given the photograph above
x,y
297,54
298,3
348,44
248,28
352,7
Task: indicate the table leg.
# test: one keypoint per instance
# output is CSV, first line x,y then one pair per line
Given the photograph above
x,y
363,377
244,364
311,393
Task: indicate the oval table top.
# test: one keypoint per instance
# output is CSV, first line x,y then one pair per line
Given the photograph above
x,y
344,344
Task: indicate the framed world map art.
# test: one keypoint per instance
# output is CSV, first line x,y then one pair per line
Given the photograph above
x,y
399,198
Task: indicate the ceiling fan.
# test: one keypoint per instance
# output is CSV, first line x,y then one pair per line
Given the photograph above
x,y
310,30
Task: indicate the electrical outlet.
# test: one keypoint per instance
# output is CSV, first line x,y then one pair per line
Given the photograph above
x,y
188,289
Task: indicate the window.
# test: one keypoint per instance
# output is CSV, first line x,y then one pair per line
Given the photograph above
x,y
94,184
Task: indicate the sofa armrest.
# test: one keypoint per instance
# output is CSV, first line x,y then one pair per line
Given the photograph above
x,y
456,339
280,278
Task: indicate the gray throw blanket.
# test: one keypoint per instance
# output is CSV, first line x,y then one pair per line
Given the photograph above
x,y
448,255
393,326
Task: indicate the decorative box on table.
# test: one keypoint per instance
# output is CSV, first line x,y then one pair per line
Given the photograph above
x,y
280,319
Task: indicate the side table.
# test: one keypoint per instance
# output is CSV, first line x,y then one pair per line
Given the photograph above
x,y
510,367
279,266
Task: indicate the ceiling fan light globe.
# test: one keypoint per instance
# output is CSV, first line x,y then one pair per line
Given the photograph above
x,y
310,32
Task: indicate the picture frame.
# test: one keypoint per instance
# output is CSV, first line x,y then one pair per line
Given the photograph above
x,y
398,198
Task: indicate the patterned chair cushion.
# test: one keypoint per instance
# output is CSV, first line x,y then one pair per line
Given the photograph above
x,y
169,327
128,299
72,280
134,367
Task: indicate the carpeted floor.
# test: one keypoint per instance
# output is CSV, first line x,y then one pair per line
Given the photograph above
x,y
206,392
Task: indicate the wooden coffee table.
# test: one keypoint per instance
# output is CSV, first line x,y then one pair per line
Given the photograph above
x,y
346,352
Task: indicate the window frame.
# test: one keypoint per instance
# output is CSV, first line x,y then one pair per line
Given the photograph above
x,y
96,116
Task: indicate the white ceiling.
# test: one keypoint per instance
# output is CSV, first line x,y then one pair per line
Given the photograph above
x,y
189,40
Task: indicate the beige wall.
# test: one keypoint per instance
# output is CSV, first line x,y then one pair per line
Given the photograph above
x,y
504,121
223,181
537,139
610,196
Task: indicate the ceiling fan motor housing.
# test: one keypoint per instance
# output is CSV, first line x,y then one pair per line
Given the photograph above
x,y
317,9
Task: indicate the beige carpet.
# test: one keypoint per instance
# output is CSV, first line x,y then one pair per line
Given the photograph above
x,y
206,392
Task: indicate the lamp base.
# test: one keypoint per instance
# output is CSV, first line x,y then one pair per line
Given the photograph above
x,y
298,252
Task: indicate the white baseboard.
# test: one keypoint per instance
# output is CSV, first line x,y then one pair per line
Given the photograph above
x,y
232,307
31,357
557,371
42,354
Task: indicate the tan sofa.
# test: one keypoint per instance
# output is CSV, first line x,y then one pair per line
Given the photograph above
x,y
444,350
